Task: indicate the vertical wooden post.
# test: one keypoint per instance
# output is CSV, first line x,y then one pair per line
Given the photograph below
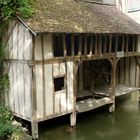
x,y
81,77
127,37
85,45
80,46
96,39
64,45
34,122
113,83
91,44
100,44
73,114
105,44
110,43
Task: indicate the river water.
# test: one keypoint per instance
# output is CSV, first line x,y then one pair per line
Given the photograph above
x,y
99,124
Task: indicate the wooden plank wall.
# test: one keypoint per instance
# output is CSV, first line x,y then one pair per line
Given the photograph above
x,y
19,52
128,72
49,102
19,42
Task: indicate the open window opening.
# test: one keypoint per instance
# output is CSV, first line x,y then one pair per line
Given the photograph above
x,y
120,43
59,84
130,43
58,45
113,45
76,44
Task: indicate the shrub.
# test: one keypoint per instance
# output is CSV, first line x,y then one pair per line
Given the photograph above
x,y
6,127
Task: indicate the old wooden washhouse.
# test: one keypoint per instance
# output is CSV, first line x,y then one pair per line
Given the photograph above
x,y
70,57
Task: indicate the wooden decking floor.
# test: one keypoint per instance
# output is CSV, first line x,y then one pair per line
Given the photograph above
x,y
120,90
91,103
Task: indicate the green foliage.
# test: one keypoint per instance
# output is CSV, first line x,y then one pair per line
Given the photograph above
x,y
9,128
6,127
2,52
4,80
10,8
4,84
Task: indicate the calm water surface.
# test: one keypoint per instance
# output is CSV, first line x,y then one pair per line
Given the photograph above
x,y
124,124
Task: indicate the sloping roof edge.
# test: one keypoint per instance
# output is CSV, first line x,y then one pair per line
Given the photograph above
x,y
21,21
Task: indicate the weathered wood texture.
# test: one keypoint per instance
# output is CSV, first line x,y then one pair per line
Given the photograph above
x,y
20,89
51,103
128,73
19,42
47,67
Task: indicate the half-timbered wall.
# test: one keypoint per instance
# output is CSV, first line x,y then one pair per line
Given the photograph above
x,y
128,72
51,103
19,48
93,44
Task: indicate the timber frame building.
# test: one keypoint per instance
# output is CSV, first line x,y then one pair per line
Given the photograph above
x,y
70,57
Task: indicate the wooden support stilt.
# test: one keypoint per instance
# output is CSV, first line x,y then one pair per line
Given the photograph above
x,y
34,128
73,114
113,83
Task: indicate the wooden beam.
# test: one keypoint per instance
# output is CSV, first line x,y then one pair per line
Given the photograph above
x,y
105,44
137,44
96,43
91,44
73,114
113,83
110,43
34,122
80,45
64,45
99,44
43,74
127,39
85,45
